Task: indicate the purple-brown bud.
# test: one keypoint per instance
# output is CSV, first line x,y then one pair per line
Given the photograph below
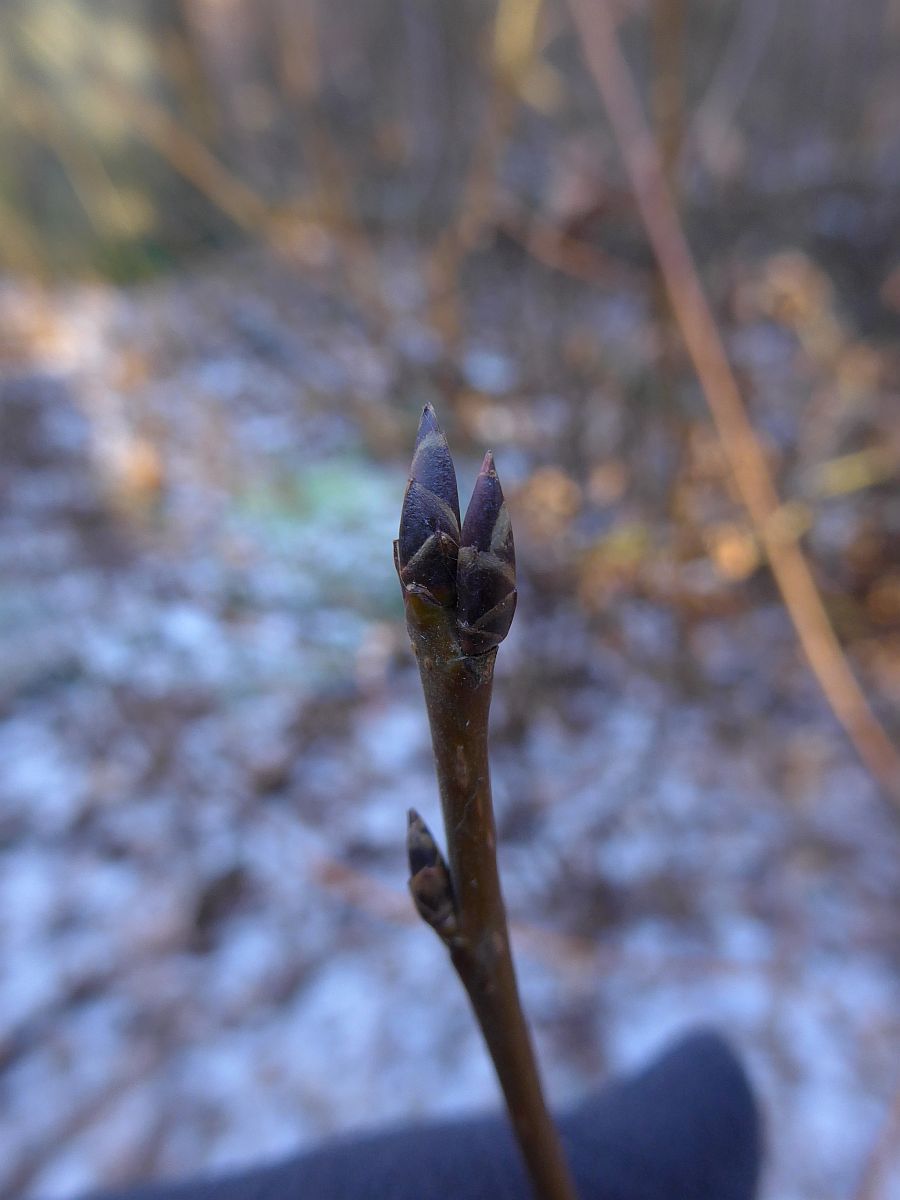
x,y
470,571
429,881
426,550
486,567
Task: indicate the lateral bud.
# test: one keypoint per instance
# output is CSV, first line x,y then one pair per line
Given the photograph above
x,y
486,566
430,885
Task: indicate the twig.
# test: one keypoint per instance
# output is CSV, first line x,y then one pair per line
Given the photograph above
x,y
715,114
790,569
580,957
550,244
878,1161
91,184
27,1169
669,29
514,35
459,592
668,35
250,211
187,154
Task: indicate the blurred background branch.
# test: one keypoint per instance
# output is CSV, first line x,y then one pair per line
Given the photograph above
x,y
648,169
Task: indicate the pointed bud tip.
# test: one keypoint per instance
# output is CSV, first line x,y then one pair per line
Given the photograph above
x,y
485,508
432,465
421,849
428,423
486,566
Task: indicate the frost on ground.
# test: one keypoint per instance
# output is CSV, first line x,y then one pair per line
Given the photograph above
x,y
210,730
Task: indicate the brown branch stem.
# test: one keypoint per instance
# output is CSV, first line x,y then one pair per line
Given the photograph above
x,y
457,691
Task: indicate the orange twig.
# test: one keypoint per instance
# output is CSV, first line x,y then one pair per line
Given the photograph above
x,y
790,569
550,245
189,156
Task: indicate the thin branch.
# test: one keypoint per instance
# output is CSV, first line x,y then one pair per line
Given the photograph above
x,y
716,112
186,153
515,32
878,1162
190,157
550,245
34,1159
581,958
459,592
46,121
669,28
790,569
